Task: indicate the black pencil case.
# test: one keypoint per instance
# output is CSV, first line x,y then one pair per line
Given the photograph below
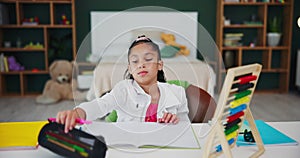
x,y
75,143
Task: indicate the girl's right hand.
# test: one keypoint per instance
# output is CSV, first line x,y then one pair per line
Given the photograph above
x,y
68,118
169,118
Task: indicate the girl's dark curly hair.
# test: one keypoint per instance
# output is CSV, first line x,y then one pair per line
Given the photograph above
x,y
143,39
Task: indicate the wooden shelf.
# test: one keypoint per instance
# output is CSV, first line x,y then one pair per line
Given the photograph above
x,y
30,83
275,70
27,94
256,48
22,49
255,3
279,48
275,59
24,72
8,94
14,26
41,1
245,48
244,3
244,26
60,26
280,4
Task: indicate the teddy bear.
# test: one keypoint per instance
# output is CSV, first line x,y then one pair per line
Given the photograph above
x,y
169,39
61,85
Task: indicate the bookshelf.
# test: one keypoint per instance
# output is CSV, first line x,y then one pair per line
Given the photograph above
x,y
43,22
252,19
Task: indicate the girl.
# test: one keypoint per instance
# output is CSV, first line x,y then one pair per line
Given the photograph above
x,y
143,96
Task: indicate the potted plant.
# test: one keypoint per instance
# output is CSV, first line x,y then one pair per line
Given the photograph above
x,y
58,47
274,33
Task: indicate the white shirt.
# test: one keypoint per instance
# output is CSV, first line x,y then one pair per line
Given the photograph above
x,y
131,102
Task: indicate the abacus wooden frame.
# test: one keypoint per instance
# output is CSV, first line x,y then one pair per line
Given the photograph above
x,y
217,131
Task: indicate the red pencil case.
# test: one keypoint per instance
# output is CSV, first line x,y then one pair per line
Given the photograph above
x,y
75,143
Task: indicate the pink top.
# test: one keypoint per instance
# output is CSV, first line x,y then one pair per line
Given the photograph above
x,y
151,113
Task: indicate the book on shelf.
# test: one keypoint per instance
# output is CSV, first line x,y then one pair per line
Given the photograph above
x,y
146,134
269,135
228,35
2,67
233,39
20,135
6,69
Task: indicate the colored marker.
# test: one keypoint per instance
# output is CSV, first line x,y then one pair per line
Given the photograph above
x,y
78,120
68,146
62,137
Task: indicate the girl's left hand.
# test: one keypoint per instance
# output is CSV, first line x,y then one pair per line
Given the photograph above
x,y
169,118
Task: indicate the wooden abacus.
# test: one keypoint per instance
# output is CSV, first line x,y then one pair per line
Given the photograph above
x,y
232,110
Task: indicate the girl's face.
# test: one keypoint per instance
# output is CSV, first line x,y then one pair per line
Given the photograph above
x,y
144,64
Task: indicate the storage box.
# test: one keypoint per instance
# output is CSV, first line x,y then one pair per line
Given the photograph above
x,y
84,81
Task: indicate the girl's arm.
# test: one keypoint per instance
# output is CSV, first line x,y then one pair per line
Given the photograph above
x,y
99,107
92,110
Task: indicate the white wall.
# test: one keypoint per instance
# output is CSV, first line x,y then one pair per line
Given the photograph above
x,y
113,32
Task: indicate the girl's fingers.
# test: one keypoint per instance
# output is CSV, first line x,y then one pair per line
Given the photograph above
x,y
60,118
168,117
159,120
164,118
67,122
173,118
70,120
176,120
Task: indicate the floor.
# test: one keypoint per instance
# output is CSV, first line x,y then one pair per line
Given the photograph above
x,y
276,107
268,107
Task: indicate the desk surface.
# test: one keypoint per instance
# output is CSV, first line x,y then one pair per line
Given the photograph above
x,y
289,128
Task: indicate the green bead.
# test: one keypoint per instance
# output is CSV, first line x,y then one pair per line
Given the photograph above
x,y
112,117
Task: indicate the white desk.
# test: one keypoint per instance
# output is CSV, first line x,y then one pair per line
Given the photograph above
x,y
289,128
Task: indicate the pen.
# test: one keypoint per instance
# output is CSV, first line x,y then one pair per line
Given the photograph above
x,y
82,121
66,139
78,120
68,146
